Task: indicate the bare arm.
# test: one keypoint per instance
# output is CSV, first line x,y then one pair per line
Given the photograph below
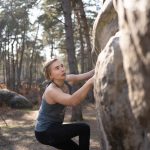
x,y
58,96
73,79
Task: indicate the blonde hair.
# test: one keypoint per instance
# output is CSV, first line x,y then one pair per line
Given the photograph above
x,y
47,67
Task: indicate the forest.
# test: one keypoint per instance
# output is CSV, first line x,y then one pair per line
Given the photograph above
x,y
110,36
26,38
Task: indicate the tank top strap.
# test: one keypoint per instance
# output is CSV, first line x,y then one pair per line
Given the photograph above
x,y
66,82
69,86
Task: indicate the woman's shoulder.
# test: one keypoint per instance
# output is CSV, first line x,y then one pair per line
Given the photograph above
x,y
51,90
49,93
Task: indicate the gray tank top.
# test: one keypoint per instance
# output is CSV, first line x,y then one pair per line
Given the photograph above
x,y
50,114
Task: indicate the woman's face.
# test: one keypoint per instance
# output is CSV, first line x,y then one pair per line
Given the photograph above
x,y
57,71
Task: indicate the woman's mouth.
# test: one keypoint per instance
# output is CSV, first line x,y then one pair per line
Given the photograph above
x,y
64,74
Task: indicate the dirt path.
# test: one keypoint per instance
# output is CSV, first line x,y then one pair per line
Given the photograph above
x,y
19,135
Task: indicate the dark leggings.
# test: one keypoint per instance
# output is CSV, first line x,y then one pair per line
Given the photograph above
x,y
60,136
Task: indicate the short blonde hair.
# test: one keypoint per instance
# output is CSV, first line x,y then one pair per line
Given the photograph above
x,y
47,67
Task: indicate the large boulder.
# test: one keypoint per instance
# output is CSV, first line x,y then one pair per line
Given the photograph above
x,y
105,26
13,99
118,128
134,22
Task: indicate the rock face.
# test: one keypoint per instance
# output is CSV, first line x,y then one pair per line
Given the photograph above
x,y
134,22
122,76
14,100
105,26
118,128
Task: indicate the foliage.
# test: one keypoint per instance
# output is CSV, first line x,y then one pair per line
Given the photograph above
x,y
21,47
17,46
53,22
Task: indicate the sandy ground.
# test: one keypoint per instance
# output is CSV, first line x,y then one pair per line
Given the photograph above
x,y
19,134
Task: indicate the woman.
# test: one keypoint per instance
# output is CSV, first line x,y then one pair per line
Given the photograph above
x,y
49,128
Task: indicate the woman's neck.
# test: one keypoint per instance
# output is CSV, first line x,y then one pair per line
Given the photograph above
x,y
58,84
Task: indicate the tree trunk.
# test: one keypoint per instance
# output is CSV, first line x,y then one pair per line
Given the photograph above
x,y
7,61
21,60
4,73
32,58
66,5
86,32
17,60
12,78
77,110
81,41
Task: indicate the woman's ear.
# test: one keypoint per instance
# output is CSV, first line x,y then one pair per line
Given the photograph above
x,y
50,77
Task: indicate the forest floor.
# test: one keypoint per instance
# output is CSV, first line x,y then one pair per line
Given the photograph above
x,y
18,134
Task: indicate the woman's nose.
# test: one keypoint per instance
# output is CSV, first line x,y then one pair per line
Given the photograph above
x,y
62,69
